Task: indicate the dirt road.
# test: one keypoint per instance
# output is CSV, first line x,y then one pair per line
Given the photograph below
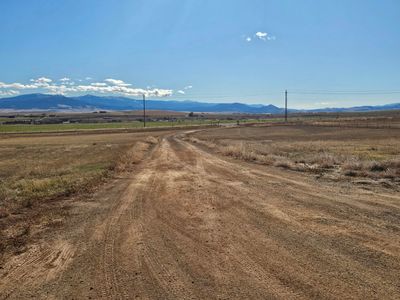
x,y
188,224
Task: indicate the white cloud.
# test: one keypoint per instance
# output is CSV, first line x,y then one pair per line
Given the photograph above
x,y
88,78
188,87
109,86
181,92
248,39
9,93
264,36
58,89
16,85
261,35
63,106
41,82
117,82
65,79
325,103
99,84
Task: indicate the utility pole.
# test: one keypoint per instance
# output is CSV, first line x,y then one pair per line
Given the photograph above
x,y
144,110
285,105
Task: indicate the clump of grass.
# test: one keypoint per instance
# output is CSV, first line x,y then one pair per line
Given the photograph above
x,y
3,212
389,169
325,160
351,165
134,155
285,163
151,140
377,166
350,173
29,192
208,144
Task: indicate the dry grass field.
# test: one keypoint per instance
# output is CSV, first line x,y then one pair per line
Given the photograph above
x,y
269,212
363,155
37,171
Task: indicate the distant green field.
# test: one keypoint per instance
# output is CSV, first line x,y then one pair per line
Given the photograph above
x,y
92,126
119,125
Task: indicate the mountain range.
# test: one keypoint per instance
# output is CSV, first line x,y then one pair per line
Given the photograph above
x,y
45,102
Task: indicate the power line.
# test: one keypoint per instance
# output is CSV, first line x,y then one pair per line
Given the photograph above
x,y
285,105
295,92
227,96
344,92
144,110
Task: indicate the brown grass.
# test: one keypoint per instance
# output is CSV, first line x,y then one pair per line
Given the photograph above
x,y
367,153
37,171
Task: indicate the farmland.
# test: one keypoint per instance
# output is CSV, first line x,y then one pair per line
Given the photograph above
x,y
246,212
93,126
60,122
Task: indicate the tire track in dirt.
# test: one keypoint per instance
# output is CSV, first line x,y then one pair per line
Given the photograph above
x,y
168,276
236,254
34,267
317,194
112,288
192,225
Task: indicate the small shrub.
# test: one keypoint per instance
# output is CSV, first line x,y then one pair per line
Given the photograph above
x,y
151,140
390,174
3,213
27,203
284,163
324,160
351,165
377,167
350,173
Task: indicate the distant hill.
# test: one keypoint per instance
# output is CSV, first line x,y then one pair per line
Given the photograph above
x,y
392,106
43,102
91,103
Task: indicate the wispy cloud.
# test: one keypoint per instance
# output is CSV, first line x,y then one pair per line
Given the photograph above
x,y
108,86
260,35
17,85
9,93
188,87
325,103
98,84
65,79
181,92
42,82
117,82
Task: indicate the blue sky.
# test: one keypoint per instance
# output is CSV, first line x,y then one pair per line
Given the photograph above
x,y
205,50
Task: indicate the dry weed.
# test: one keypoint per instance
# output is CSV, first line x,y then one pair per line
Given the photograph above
x,y
344,157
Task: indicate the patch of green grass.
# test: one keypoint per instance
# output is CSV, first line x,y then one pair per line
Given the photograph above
x,y
93,126
66,127
121,125
32,173
93,167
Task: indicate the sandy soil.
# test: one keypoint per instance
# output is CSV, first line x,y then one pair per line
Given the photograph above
x,y
188,224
